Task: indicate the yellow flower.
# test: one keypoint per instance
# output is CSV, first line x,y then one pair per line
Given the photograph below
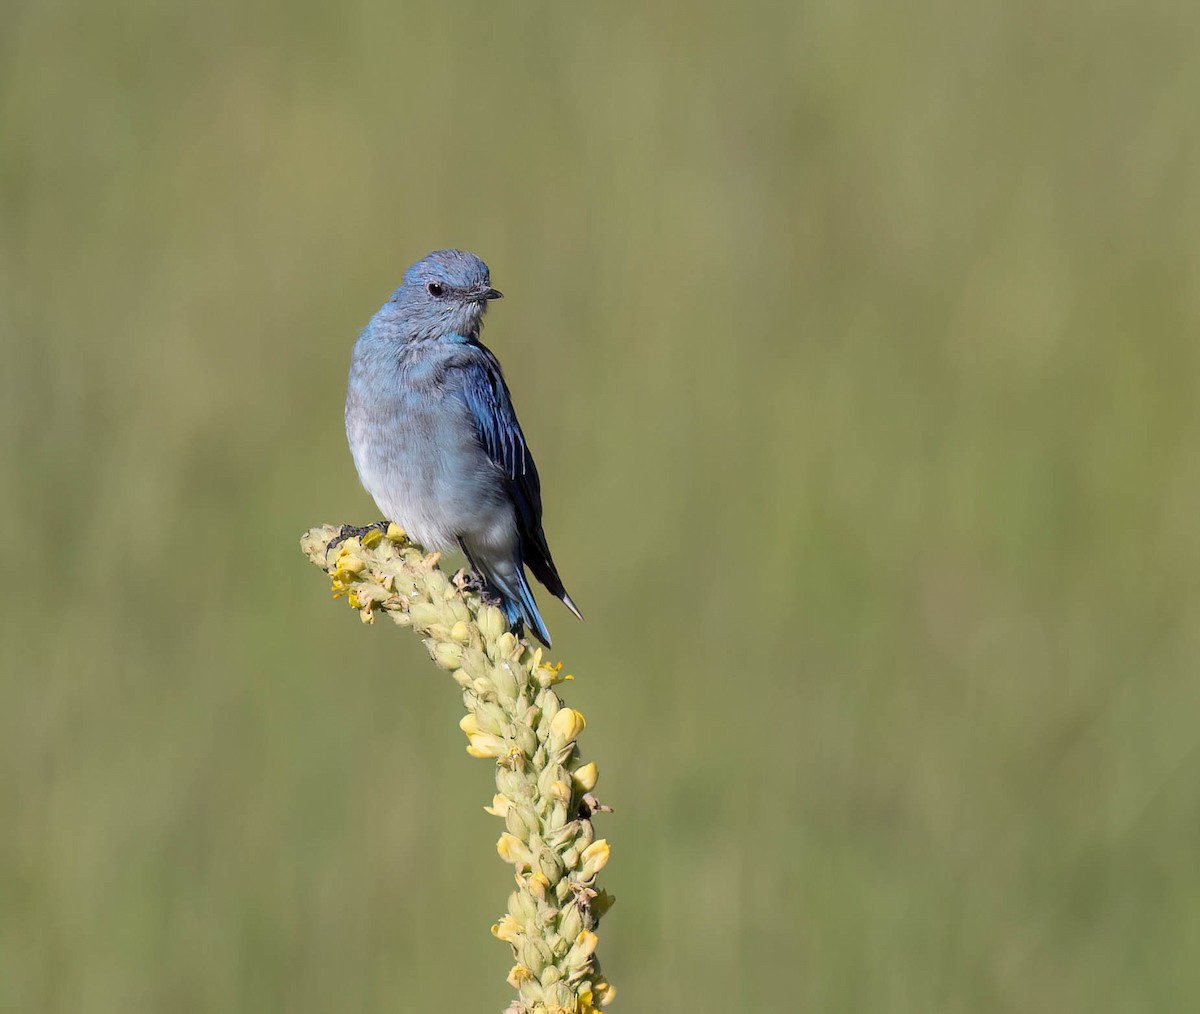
x,y
595,857
500,805
586,942
507,929
512,850
518,975
566,726
538,884
586,776
605,991
483,745
348,566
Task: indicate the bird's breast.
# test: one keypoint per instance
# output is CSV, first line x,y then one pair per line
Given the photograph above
x,y
418,455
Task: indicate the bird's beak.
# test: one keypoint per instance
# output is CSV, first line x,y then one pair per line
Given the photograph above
x,y
483,295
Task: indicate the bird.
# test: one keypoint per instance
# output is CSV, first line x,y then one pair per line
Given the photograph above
x,y
435,438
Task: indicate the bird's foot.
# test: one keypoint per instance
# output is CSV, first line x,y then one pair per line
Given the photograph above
x,y
351,532
466,582
470,583
490,596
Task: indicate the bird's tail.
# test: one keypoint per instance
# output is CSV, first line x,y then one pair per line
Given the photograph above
x,y
522,608
537,556
507,581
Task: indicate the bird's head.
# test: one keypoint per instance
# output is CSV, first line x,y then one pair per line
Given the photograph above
x,y
445,293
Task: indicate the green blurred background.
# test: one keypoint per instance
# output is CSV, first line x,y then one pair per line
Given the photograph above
x,y
857,343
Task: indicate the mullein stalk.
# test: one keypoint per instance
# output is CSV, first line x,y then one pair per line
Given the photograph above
x,y
516,719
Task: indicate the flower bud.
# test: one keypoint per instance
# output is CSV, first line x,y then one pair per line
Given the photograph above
x,y
551,774
510,783
424,614
560,995
557,837
514,820
491,623
460,632
558,815
526,740
532,993
504,680
490,718
522,906
448,655
550,865
570,925
436,583
535,955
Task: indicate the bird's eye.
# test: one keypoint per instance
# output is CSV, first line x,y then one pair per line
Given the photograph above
x,y
434,289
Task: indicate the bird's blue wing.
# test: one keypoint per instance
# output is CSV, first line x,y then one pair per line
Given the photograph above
x,y
476,379
480,384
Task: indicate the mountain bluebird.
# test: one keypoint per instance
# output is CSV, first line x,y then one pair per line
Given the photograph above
x,y
436,441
